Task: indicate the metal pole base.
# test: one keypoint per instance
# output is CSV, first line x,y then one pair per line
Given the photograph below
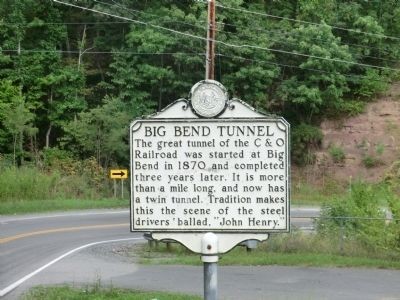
x,y
210,281
209,245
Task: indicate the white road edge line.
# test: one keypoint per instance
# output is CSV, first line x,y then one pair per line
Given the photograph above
x,y
14,285
78,214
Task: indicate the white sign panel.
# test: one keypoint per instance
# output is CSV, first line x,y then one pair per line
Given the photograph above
x,y
210,175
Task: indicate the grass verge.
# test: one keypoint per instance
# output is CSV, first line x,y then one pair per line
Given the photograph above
x,y
29,189
69,293
292,250
32,206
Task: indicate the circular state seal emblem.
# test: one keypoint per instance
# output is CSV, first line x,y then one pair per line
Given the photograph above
x,y
208,98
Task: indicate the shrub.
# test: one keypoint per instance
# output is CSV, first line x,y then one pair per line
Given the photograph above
x,y
31,183
371,161
371,84
359,217
337,154
392,176
380,148
352,108
305,139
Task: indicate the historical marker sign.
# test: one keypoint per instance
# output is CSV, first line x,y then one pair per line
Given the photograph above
x,y
210,175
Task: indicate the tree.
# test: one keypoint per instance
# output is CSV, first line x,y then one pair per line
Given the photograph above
x,y
15,117
314,82
102,132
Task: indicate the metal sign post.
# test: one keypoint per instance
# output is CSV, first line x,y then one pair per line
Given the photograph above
x,y
120,174
209,173
209,258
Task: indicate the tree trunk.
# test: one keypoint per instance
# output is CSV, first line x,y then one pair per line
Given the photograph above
x,y
81,47
50,125
68,45
48,136
14,148
21,147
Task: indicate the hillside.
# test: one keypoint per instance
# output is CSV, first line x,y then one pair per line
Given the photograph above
x,y
362,147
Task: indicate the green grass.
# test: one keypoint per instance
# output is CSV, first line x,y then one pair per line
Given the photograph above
x,y
97,293
306,194
337,154
291,250
29,189
240,257
34,206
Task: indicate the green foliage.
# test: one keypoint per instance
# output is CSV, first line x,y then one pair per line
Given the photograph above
x,y
292,249
59,176
27,183
305,139
371,161
97,292
73,80
15,116
392,176
337,154
380,148
323,89
102,132
371,84
359,217
353,108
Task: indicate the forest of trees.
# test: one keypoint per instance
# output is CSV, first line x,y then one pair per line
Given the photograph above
x,y
72,79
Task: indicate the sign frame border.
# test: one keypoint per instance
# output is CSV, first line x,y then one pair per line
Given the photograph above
x,y
133,127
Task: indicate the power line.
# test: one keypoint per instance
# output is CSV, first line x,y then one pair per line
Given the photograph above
x,y
187,54
296,67
132,20
307,22
171,21
281,33
98,52
219,30
286,42
228,44
196,26
65,23
149,14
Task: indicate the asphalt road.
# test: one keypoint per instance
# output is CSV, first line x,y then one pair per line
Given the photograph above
x,y
77,248
29,242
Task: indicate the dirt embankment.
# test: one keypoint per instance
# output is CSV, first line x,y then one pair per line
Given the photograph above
x,y
362,147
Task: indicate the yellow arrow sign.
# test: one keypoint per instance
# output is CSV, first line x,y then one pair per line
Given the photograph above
x,y
119,174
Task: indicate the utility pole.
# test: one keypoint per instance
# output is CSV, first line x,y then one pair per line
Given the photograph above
x,y
210,59
210,263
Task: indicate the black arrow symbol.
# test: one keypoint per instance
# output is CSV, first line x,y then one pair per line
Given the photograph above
x,y
120,173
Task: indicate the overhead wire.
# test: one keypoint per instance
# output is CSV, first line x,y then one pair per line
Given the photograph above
x,y
225,43
201,27
286,42
236,26
188,54
350,76
219,30
281,33
172,21
124,8
98,52
307,22
149,14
